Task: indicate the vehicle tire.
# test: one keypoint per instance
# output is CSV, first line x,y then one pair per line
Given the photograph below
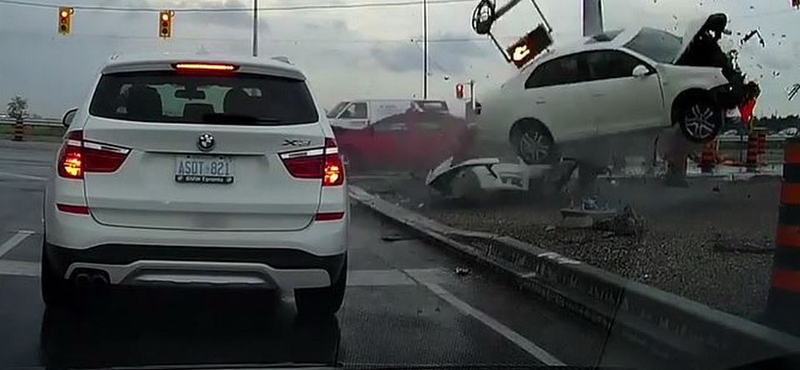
x,y
700,120
56,292
320,302
533,143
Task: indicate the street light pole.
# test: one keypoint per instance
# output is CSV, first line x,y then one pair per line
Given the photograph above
x,y
255,28
425,49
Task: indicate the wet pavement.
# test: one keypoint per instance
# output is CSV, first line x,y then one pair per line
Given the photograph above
x,y
404,306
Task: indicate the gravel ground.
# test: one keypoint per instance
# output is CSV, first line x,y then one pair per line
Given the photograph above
x,y
686,249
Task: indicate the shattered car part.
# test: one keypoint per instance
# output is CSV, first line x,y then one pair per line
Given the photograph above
x,y
750,35
474,177
589,208
793,91
624,223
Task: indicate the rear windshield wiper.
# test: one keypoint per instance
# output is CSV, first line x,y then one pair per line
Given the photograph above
x,y
237,119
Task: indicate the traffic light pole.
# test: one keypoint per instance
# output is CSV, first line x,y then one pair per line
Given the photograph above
x,y
592,17
425,49
255,28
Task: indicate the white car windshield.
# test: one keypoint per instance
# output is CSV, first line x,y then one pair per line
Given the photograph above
x,y
661,46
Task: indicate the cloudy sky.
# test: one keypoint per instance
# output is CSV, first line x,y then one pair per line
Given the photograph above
x,y
359,53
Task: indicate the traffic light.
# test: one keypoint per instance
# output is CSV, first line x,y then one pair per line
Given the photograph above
x,y
459,91
65,20
529,46
165,23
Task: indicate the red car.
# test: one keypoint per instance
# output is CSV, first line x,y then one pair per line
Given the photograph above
x,y
416,141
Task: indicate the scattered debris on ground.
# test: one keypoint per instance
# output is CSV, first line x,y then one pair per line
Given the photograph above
x,y
625,223
665,239
577,222
731,245
462,271
396,238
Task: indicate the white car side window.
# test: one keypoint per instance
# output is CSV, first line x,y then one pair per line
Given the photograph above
x,y
610,64
355,111
561,71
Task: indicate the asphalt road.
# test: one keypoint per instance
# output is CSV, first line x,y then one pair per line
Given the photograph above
x,y
404,305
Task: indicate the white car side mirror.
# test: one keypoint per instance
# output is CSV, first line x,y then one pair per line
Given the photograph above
x,y
640,71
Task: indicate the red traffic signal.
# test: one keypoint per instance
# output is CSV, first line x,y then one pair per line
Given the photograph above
x,y
165,23
459,91
65,20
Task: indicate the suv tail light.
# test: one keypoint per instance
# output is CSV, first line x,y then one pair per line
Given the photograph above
x,y
79,156
334,168
323,163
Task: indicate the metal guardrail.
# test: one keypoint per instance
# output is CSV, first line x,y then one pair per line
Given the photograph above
x,y
51,122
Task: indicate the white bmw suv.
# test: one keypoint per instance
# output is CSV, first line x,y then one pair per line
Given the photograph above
x,y
198,171
615,83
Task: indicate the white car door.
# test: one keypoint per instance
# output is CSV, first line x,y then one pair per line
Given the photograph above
x,y
620,101
555,93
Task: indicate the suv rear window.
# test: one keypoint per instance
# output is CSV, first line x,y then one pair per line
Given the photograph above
x,y
166,96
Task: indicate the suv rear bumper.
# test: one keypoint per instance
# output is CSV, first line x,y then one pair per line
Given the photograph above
x,y
83,232
284,269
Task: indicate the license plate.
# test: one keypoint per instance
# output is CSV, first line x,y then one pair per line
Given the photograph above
x,y
204,169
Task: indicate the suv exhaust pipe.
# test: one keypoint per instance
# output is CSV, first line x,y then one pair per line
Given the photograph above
x,y
99,280
91,279
83,279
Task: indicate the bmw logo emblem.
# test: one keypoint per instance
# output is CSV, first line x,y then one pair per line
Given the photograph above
x,y
205,142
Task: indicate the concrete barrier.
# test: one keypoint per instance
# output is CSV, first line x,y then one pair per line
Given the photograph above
x,y
692,334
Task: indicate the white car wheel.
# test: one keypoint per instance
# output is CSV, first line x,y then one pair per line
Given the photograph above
x,y
700,121
534,144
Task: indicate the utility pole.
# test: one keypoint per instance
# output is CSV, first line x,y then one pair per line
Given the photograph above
x,y
425,49
255,28
592,17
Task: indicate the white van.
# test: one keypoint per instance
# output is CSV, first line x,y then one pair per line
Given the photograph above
x,y
358,114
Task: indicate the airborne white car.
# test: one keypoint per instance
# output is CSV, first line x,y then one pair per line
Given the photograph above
x,y
615,83
198,171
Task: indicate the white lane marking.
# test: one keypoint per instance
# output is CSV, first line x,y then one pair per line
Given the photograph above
x,y
487,320
21,176
14,241
19,268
